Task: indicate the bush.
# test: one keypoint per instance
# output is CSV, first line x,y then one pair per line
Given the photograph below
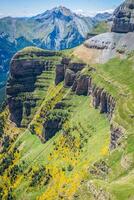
x,y
70,168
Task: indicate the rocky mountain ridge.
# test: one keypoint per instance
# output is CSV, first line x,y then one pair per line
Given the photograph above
x,y
26,66
84,118
118,41
83,84
124,18
55,29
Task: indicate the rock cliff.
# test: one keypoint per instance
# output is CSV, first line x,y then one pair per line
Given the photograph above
x,y
124,17
26,65
82,84
67,71
118,42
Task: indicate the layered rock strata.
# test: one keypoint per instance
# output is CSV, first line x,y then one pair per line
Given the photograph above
x,y
82,84
67,71
26,65
124,18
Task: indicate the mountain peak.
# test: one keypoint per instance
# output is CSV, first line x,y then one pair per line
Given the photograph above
x,y
62,9
57,12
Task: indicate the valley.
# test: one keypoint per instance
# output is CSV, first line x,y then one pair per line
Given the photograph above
x,y
66,127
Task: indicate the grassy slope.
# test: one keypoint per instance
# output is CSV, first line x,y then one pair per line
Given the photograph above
x,y
35,153
87,141
101,27
116,77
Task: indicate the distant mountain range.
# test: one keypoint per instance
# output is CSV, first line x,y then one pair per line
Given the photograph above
x,y
55,29
103,16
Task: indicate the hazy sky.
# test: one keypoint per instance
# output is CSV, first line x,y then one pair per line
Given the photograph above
x,y
33,7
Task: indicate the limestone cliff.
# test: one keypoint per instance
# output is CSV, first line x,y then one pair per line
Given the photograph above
x,y
118,42
26,65
67,71
124,17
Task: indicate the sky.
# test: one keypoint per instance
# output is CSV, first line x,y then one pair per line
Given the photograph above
x,y
21,8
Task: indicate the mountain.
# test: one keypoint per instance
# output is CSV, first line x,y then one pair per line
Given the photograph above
x,y
54,29
103,17
66,131
57,29
124,18
7,49
117,42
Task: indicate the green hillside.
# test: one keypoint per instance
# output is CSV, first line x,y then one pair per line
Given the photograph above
x,y
101,27
76,163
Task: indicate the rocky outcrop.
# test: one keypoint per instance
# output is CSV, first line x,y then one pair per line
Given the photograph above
x,y
26,65
50,128
16,110
118,42
116,134
104,101
67,71
69,78
54,122
124,18
59,74
81,85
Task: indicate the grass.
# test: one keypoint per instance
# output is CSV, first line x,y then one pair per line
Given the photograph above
x,y
116,77
101,27
81,117
83,140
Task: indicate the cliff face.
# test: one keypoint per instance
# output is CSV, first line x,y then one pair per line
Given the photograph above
x,y
25,67
67,72
83,84
124,18
118,42
100,100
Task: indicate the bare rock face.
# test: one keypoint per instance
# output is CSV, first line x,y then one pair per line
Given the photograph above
x,y
50,128
82,85
16,110
69,78
67,71
54,122
116,134
124,18
59,74
26,65
102,100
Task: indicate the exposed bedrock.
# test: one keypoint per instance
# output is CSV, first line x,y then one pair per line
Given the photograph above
x,y
116,134
67,71
50,128
81,85
117,42
59,74
16,110
25,66
124,17
54,122
69,78
102,100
